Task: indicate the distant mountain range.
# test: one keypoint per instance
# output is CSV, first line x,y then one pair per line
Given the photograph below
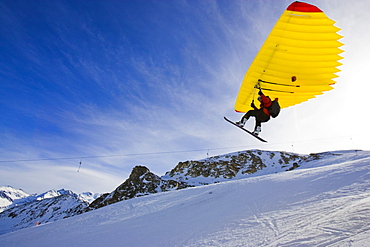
x,y
22,210
11,197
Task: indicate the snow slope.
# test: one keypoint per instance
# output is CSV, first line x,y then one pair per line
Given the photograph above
x,y
327,204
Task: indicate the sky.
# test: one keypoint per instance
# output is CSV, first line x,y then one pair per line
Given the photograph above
x,y
90,89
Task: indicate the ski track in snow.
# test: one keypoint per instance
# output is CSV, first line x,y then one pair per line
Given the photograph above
x,y
327,204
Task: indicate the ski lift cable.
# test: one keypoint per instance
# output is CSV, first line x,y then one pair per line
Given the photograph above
x,y
164,152
117,155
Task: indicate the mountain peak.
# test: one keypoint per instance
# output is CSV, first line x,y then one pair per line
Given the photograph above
x,y
140,182
138,172
9,195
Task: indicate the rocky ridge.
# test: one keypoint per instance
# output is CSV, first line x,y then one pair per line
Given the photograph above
x,y
141,182
196,173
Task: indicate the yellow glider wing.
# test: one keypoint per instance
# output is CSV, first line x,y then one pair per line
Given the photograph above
x,y
298,60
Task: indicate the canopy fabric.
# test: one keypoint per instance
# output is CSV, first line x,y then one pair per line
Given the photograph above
x,y
298,60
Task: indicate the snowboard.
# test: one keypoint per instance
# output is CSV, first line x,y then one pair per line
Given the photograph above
x,y
259,138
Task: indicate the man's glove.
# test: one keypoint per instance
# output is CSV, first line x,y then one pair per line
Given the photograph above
x,y
252,105
260,92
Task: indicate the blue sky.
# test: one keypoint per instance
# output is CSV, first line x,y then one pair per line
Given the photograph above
x,y
114,84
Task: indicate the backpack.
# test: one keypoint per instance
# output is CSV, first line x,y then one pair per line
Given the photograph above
x,y
274,109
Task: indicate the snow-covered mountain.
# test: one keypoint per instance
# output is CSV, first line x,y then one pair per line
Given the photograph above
x,y
216,169
325,201
9,195
21,210
142,182
85,196
40,211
